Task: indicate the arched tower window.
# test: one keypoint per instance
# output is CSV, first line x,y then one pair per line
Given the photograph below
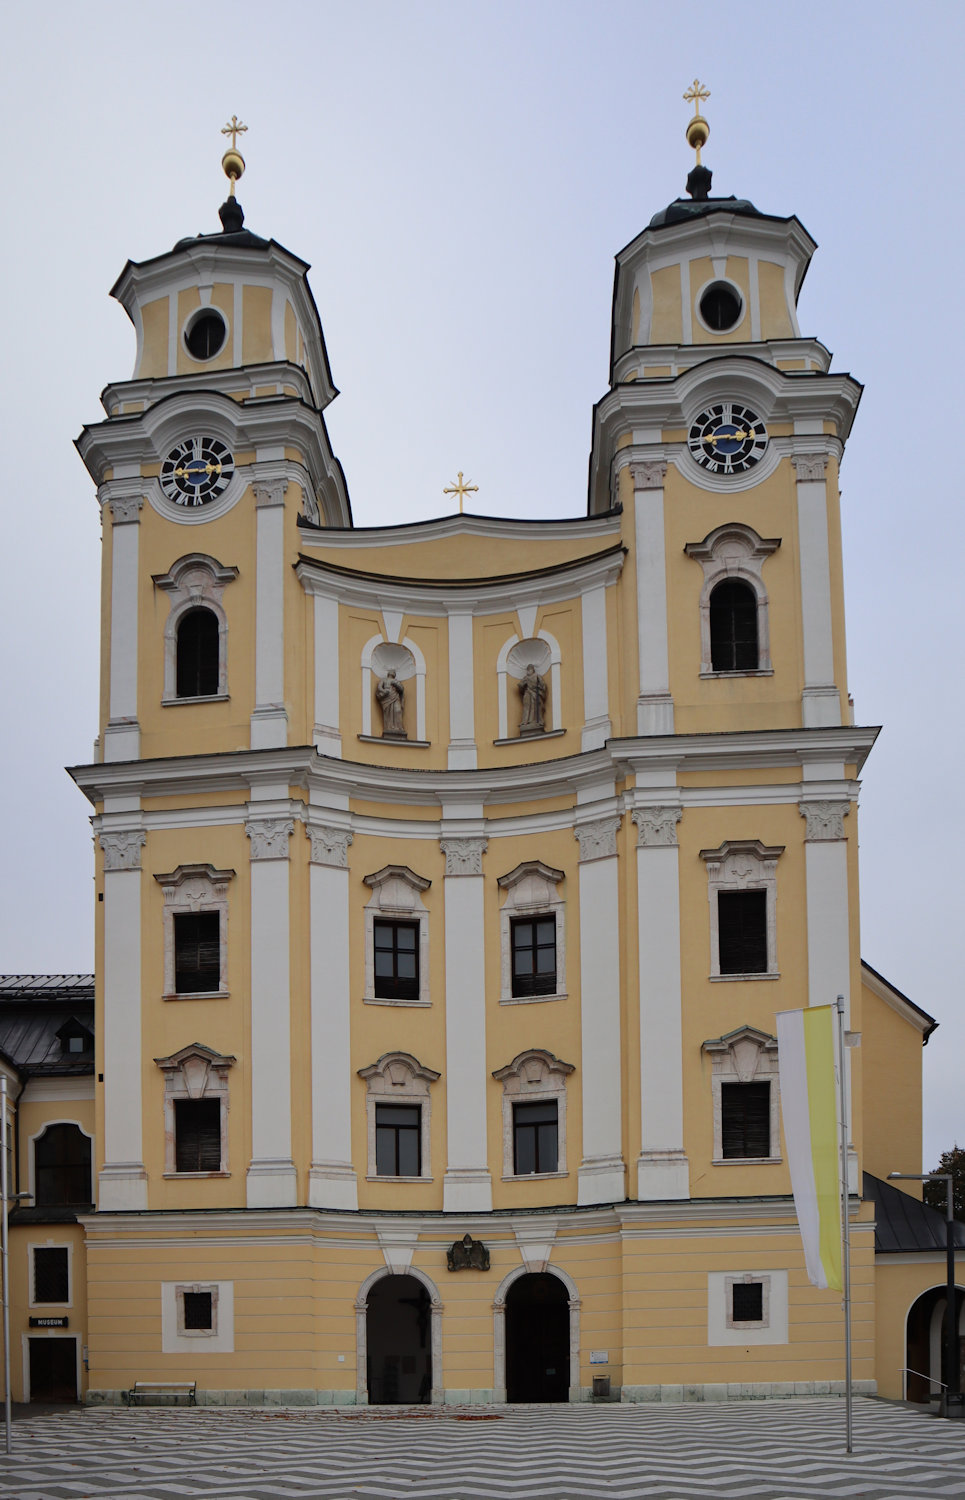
x,y
733,627
62,1168
198,654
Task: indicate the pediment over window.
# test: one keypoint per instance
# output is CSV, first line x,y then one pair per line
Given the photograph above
x,y
398,1071
740,1051
534,1068
191,885
396,887
195,1070
531,884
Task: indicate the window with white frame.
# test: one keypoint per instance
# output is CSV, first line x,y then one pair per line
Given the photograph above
x,y
50,1275
398,1117
196,631
195,931
396,938
745,1085
742,893
747,1307
734,624
534,1114
197,1317
532,934
195,1112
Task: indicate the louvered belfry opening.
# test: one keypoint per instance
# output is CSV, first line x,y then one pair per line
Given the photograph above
x,y
742,932
733,627
745,1119
197,952
198,652
197,1135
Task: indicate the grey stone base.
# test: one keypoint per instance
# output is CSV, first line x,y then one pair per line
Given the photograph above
x,y
233,1398
753,1390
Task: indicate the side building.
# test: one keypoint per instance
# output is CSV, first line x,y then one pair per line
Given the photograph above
x,y
450,874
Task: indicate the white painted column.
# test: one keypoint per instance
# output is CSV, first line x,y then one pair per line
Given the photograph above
x,y
462,732
271,1173
122,734
269,722
122,1183
331,1178
328,736
596,699
602,1175
654,705
820,700
829,927
662,1168
467,1187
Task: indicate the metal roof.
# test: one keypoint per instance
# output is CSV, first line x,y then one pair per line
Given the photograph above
x,y
34,1008
905,1223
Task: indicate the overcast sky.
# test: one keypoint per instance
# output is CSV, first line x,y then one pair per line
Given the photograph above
x,y
460,175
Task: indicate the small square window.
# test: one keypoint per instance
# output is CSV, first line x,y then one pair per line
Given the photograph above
x,y
535,1138
197,1310
534,955
745,1119
748,1302
398,1140
51,1273
197,1135
742,931
396,955
197,952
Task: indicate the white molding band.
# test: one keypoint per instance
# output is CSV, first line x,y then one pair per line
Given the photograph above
x,y
122,736
655,705
269,722
467,1187
820,703
122,1183
662,1168
271,1181
602,1174
331,1177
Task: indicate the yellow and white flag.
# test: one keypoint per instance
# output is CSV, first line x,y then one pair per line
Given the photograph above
x,y
806,1051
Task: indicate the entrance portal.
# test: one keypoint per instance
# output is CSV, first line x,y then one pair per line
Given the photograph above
x,y
926,1356
537,1339
397,1342
53,1369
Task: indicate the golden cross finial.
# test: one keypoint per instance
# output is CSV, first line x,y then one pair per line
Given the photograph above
x,y
234,128
460,489
698,130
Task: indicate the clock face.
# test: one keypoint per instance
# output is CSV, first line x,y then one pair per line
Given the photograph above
x,y
727,438
197,471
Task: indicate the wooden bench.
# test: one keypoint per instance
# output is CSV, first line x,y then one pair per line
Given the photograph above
x,y
142,1391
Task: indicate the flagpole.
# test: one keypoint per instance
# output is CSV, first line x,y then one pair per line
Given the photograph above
x,y
845,1228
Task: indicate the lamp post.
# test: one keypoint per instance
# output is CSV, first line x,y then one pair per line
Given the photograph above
x,y
953,1388
7,1198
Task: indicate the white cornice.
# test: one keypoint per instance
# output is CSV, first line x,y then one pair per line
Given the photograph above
x,y
480,595
246,379
682,357
509,528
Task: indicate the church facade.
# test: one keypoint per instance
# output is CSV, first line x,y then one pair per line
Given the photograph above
x,y
450,874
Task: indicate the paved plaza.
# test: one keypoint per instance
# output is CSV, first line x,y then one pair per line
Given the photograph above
x,y
770,1450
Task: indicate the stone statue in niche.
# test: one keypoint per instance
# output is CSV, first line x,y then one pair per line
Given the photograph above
x,y
391,699
532,691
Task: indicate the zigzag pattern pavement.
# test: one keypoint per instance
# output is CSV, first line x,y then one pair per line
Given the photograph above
x,y
765,1450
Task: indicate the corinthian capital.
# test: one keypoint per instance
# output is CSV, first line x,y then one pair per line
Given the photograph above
x,y
122,850
463,856
657,826
809,466
597,840
269,837
649,475
329,845
825,820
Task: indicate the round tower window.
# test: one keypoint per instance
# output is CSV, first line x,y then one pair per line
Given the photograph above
x,y
721,306
205,335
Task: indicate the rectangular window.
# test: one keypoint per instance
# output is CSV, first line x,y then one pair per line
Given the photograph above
x,y
535,1138
398,1140
51,1274
534,955
745,1119
748,1302
197,952
396,960
197,1310
197,1135
742,931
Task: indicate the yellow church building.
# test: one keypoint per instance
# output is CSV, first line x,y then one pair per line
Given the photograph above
x,y
450,874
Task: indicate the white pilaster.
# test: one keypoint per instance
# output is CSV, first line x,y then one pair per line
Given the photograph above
x,y
462,733
820,701
602,1175
596,698
662,1169
328,736
654,705
467,1187
122,735
269,722
122,1183
331,1178
271,1174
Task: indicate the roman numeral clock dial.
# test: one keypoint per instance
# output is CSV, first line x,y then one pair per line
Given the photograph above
x,y
727,438
197,471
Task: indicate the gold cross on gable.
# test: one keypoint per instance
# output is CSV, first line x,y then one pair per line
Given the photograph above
x,y
696,95
234,128
461,489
